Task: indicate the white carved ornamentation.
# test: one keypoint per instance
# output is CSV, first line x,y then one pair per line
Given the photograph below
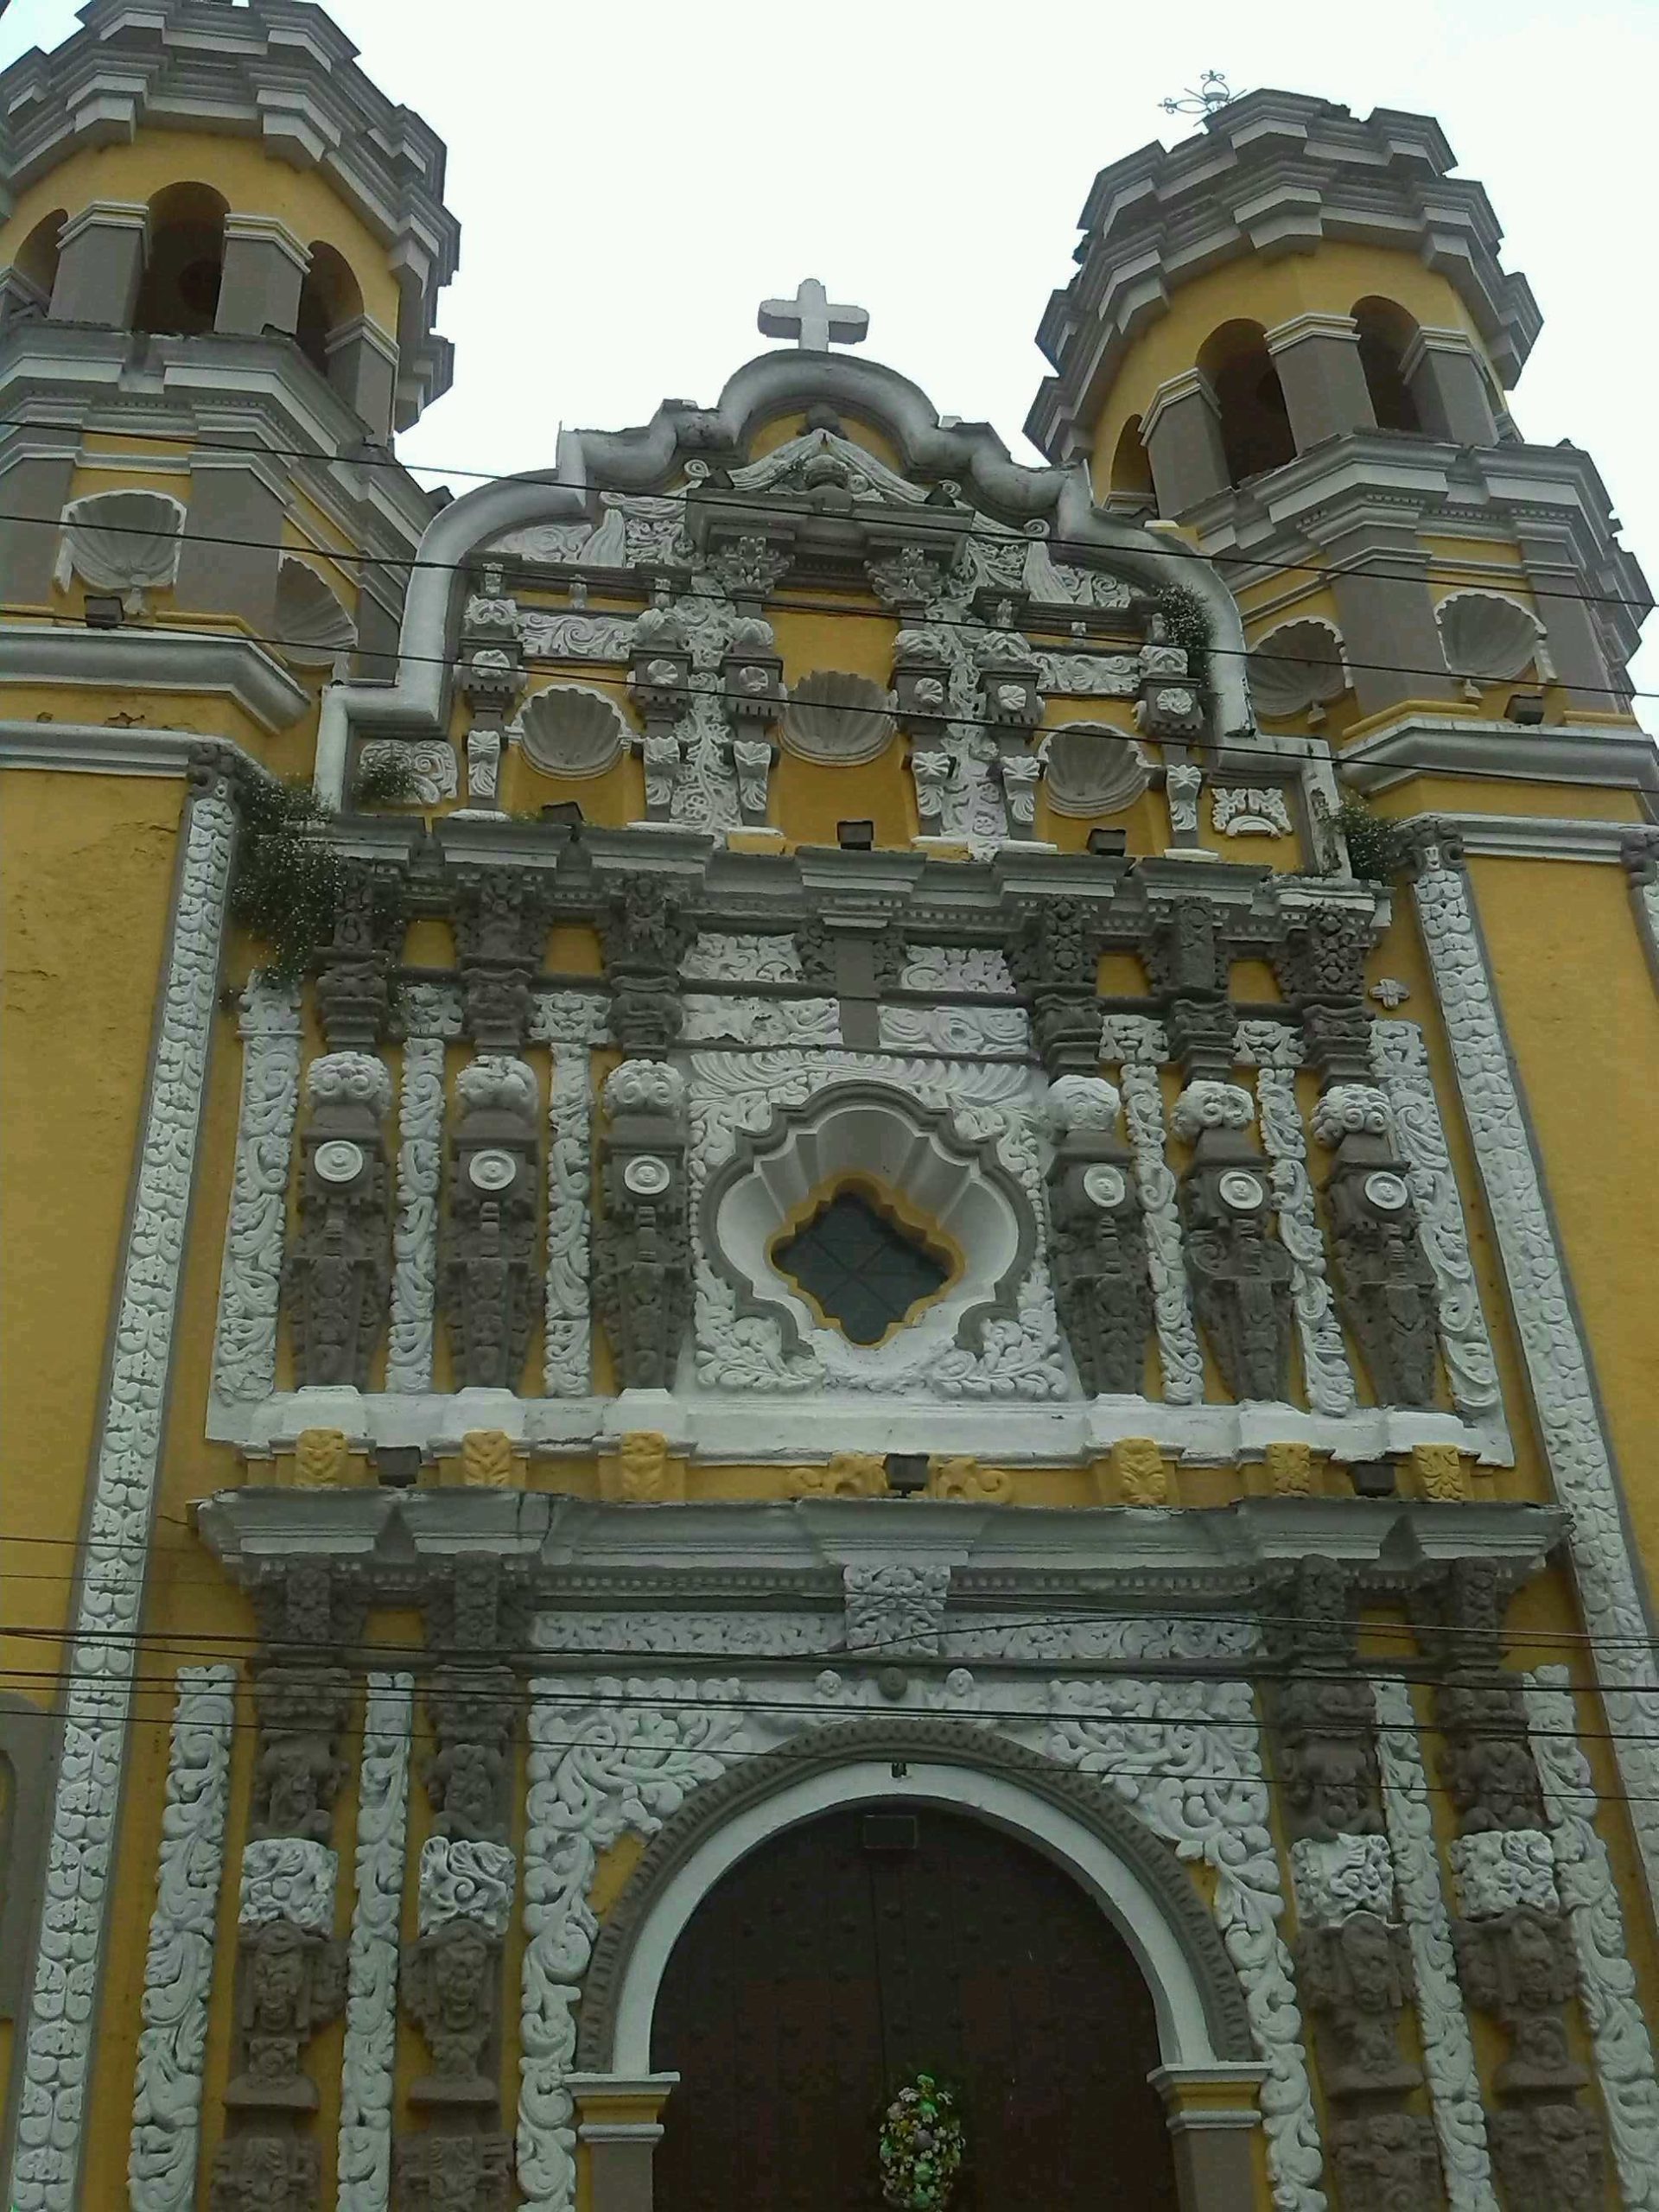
x,y
431,1014
1277,1052
1182,781
1607,1982
465,1881
483,762
1207,1104
366,2061
1082,1101
1399,1061
709,1019
971,967
1350,1110
1094,768
972,1032
593,1771
968,801
566,1340
894,1610
250,1283
125,541
431,767
57,2049
1249,810
1557,1364
179,1964
1502,1868
1137,1043
1448,2049
718,956
1089,676
1346,1874
645,1087
570,730
288,1878
1187,1758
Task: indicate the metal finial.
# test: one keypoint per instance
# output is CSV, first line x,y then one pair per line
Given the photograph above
x,y
1213,92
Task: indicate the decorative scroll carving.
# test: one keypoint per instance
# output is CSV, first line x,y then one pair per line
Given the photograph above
x,y
288,1878
1249,810
249,1285
463,1880
179,1963
336,1276
1448,2050
1343,1875
1400,1060
1138,1043
489,1268
56,2053
1556,1362
1276,1052
894,1611
366,2079
1607,1982
1498,1869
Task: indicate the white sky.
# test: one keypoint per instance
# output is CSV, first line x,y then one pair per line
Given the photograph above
x,y
633,178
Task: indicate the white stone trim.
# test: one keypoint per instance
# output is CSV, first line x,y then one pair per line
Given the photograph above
x,y
250,1274
1138,1045
1557,1362
179,1965
370,2045
567,1343
1449,744
1448,2048
56,2049
431,1015
219,661
1607,1980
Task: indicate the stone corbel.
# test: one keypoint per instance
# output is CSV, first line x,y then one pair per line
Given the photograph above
x,y
1098,1248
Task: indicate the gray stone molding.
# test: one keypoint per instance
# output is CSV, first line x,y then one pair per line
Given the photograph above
x,y
153,660
1556,1357
1431,745
304,100
1270,171
251,1273
179,1963
1607,1979
370,2048
567,1321
753,1779
1448,2047
97,1700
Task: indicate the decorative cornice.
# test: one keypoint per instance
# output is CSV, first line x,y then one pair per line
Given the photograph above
x,y
153,660
1429,744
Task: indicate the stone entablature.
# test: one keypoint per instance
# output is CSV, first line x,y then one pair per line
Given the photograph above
x,y
1271,173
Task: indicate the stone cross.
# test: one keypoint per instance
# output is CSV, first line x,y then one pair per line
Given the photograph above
x,y
812,321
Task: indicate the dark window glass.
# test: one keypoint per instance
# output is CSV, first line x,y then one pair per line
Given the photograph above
x,y
865,1271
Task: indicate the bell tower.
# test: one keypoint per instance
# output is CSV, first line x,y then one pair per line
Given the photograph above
x,y
220,258
1291,335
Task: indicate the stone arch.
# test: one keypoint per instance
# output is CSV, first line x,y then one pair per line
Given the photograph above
x,y
1137,1880
35,265
1255,432
1131,474
1386,334
184,261
331,299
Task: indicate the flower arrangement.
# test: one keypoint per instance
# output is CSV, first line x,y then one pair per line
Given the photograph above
x,y
921,2147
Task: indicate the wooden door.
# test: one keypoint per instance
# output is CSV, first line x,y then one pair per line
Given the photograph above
x,y
845,1955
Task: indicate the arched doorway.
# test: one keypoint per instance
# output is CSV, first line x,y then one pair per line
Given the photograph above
x,y
846,1953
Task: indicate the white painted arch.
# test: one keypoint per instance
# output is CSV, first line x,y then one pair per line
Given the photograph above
x,y
1003,1802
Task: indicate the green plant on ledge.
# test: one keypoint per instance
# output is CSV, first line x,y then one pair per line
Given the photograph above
x,y
386,780
1377,848
286,886
1186,624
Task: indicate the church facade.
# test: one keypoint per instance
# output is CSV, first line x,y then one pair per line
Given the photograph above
x,y
827,1278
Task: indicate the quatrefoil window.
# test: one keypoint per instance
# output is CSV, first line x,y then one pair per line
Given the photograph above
x,y
865,1269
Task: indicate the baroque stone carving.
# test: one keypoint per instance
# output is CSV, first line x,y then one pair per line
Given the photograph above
x,y
843,719
448,1986
55,2057
1053,955
466,1880
250,1284
431,766
1343,1875
1385,2161
431,1015
500,917
570,730
1448,2049
1102,1290
365,2077
1548,2155
1557,1366
288,1878
453,2173
179,1961
488,1280
645,933
642,1248
1093,768
1249,810
336,1276
301,1709
270,2173
895,1611
1485,1763
1355,1977
1520,1968
471,1707
1138,1043
290,1981
1240,1272
1498,1869
1607,1981
566,1325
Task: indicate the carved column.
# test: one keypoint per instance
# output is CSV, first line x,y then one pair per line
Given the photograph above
x,y
489,1276
642,1242
754,698
643,932
290,1969
1010,706
489,676
1353,1954
921,697
431,1014
1386,1288
250,1283
450,1984
1514,1951
1098,1248
336,1275
659,684
1054,958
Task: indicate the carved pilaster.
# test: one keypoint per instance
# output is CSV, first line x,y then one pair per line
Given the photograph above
x,y
1098,1250
642,1255
1240,1272
1054,958
489,1273
1386,1287
1356,1979
337,1275
500,921
1322,1708
353,977
644,931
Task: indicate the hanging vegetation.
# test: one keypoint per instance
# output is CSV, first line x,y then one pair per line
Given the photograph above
x,y
1377,848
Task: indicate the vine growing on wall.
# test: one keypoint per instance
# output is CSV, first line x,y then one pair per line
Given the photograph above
x,y
288,875
1377,848
1186,624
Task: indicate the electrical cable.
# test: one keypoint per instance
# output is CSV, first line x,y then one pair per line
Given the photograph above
x,y
1054,545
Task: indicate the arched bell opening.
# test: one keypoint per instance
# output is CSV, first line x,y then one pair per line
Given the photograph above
x,y
1386,333
1255,432
184,262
